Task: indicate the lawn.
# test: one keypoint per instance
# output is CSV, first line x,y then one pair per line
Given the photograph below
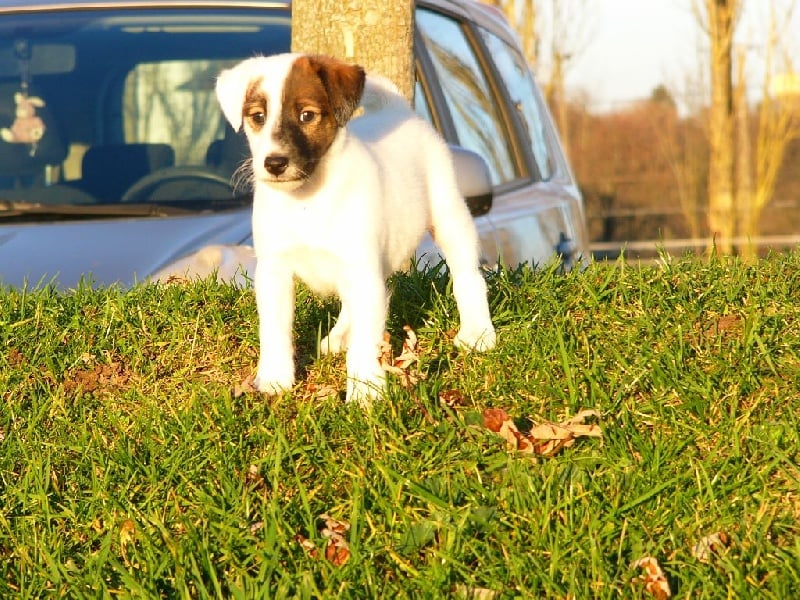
x,y
135,460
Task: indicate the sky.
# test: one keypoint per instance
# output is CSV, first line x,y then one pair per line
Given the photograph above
x,y
632,46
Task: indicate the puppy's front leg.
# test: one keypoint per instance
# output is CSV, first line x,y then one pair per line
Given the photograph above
x,y
274,288
366,300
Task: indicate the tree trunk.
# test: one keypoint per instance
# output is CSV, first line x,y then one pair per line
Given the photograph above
x,y
375,34
721,214
745,227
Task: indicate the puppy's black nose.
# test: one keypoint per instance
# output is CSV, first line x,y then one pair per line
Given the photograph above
x,y
276,164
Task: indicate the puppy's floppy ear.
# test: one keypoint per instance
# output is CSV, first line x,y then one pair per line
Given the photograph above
x,y
343,82
231,89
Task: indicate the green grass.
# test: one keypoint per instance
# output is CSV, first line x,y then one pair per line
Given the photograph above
x,y
129,467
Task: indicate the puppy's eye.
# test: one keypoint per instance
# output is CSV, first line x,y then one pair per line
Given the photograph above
x,y
307,116
258,117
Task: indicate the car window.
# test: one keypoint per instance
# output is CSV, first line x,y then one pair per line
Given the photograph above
x,y
421,106
466,90
173,102
521,87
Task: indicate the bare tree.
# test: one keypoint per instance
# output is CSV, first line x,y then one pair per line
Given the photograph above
x,y
553,34
743,172
778,125
373,33
742,175
718,18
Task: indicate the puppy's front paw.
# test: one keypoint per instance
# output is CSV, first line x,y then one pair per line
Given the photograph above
x,y
363,388
272,381
478,339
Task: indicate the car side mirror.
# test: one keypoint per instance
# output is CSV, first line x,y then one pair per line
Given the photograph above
x,y
474,180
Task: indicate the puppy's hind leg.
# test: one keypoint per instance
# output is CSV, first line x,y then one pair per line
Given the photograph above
x,y
338,337
336,340
366,301
456,235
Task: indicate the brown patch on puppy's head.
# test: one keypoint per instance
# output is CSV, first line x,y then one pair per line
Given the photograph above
x,y
254,109
344,83
292,107
319,97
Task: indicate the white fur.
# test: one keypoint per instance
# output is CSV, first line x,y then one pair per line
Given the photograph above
x,y
386,179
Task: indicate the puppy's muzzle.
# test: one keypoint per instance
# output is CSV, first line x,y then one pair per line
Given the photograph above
x,y
276,164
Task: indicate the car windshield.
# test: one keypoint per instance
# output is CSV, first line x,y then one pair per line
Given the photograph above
x,y
101,108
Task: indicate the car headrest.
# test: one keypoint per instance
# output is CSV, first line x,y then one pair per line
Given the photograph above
x,y
29,138
107,171
227,154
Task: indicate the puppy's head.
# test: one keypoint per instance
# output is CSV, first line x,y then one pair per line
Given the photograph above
x,y
291,106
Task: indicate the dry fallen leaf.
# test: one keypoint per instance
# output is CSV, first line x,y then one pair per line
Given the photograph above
x,y
257,526
452,399
254,478
337,551
710,545
497,420
401,364
545,439
307,545
655,582
245,387
127,531
322,391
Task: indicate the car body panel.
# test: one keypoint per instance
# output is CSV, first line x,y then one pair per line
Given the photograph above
x,y
95,249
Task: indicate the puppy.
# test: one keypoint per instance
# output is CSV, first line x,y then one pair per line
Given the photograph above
x,y
341,202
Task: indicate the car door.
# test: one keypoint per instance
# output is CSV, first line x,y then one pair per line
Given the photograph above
x,y
481,95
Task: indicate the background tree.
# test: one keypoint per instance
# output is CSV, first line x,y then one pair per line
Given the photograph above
x,y
375,34
553,34
742,176
778,126
718,19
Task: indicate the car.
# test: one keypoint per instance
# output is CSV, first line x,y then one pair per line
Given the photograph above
x,y
117,166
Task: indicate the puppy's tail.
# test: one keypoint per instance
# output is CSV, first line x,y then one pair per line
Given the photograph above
x,y
381,93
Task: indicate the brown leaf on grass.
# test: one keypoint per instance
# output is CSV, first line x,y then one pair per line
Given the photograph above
x,y
15,357
322,391
101,377
497,420
307,545
724,327
256,527
337,550
545,439
710,545
253,477
654,580
127,532
400,365
247,386
452,399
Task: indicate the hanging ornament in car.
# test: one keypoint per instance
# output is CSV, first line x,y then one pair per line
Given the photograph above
x,y
28,127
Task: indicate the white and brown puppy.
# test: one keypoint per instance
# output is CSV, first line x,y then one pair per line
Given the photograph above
x,y
341,204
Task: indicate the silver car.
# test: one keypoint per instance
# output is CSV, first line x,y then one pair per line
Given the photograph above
x,y
117,166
